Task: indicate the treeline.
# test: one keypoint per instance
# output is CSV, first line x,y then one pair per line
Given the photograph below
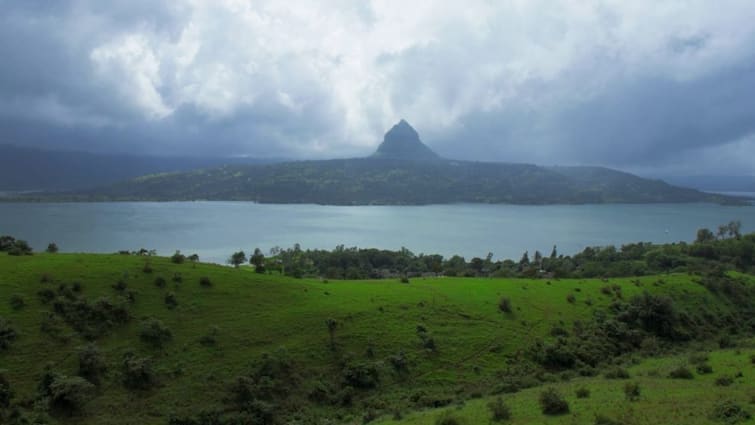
x,y
725,249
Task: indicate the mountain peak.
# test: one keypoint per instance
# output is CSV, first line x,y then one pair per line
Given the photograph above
x,y
402,142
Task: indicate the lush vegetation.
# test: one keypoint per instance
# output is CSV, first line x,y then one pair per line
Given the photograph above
x,y
710,254
135,338
364,181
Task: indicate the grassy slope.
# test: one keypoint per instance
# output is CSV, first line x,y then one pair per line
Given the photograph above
x,y
257,314
662,401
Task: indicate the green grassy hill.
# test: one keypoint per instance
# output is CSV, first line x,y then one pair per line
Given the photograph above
x,y
397,347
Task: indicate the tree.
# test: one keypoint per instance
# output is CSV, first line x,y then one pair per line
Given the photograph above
x,y
237,259
178,258
258,261
69,394
733,229
525,261
91,363
52,248
704,235
554,253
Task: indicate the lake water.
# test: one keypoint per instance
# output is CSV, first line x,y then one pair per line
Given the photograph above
x,y
216,229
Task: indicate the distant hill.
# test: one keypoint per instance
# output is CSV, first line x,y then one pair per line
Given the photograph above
x,y
715,183
403,171
31,169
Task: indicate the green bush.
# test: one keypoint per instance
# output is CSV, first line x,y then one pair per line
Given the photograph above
x,y
724,381
729,412
5,393
170,300
205,281
617,373
178,258
211,338
552,403
8,334
16,302
69,394
137,372
504,304
582,392
681,372
52,248
499,411
155,333
632,391
92,364
160,282
704,369
448,418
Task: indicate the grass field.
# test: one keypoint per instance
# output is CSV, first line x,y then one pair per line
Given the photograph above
x,y
256,314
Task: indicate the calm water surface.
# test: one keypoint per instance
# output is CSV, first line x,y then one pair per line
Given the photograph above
x,y
216,229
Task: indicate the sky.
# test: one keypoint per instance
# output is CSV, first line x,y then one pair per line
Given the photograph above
x,y
649,86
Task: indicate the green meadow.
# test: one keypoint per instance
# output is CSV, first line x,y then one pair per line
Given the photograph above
x,y
393,350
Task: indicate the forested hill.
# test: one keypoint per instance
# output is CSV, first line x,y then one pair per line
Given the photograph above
x,y
364,181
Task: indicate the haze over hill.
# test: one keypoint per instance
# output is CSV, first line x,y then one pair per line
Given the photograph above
x,y
402,171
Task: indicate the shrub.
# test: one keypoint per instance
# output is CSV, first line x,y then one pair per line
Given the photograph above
x,y
160,282
155,333
448,418
5,393
7,334
499,411
91,364
504,304
681,372
361,375
171,301
552,403
177,278
45,278
211,338
582,392
601,419
147,269
178,258
120,286
617,373
724,381
19,248
52,248
399,362
571,298
137,372
69,394
16,302
704,369
404,279
632,391
730,412
205,281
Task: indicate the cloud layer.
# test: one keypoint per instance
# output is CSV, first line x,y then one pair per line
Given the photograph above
x,y
639,85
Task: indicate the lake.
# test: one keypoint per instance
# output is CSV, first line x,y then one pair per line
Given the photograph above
x,y
216,229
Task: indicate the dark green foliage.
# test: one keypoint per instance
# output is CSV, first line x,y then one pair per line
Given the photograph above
x,y
704,369
582,392
361,375
571,299
499,411
147,269
170,300
18,248
120,286
178,258
16,302
237,259
257,259
504,304
428,342
205,281
400,363
632,391
601,419
155,333
724,381
617,373
404,279
52,248
728,411
448,418
91,320
552,403
160,282
332,325
177,278
211,337
137,372
681,372
6,394
8,334
92,364
69,394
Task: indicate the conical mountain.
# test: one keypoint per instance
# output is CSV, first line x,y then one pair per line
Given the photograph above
x,y
402,142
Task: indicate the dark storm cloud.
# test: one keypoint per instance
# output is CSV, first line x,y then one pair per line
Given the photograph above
x,y
627,84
